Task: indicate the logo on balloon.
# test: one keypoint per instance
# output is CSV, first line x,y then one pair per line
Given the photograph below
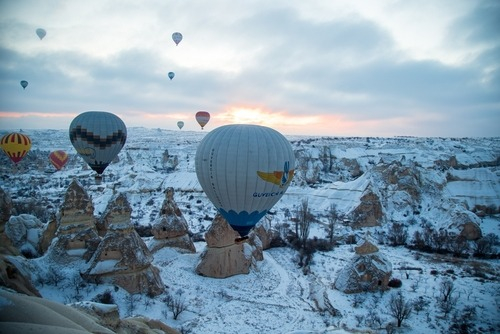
x,y
86,152
279,178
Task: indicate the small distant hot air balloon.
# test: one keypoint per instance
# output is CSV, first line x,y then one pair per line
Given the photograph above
x,y
98,137
41,33
180,124
202,117
58,158
16,146
244,170
177,37
24,84
171,75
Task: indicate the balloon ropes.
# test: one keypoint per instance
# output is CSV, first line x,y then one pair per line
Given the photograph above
x,y
24,84
98,137
202,117
16,146
171,75
41,33
244,170
58,158
177,37
180,124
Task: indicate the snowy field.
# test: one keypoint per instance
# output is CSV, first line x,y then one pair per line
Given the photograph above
x,y
275,297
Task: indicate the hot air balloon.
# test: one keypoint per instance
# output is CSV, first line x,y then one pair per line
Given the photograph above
x,y
244,170
171,75
24,84
16,146
202,117
177,37
98,137
180,124
58,158
41,33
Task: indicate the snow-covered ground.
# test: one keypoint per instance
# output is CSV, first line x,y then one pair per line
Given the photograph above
x,y
275,297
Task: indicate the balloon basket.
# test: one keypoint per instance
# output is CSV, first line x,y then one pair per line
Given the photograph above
x,y
98,179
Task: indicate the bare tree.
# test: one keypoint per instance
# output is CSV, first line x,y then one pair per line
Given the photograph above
x,y
131,300
326,159
463,321
176,304
485,245
458,245
333,216
398,234
446,289
304,220
446,301
303,159
399,308
54,277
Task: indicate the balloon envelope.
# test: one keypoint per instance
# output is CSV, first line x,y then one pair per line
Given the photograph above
x,y
180,124
41,33
16,146
202,117
244,170
98,137
24,84
58,158
171,75
177,37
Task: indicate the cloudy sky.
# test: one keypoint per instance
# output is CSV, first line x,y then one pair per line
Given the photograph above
x,y
316,67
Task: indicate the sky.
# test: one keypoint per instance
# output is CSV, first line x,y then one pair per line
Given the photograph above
x,y
330,68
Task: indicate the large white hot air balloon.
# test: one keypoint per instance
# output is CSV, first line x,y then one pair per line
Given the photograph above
x,y
98,137
244,170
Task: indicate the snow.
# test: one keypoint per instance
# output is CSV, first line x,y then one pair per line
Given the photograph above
x,y
276,296
4,302
476,181
104,266
76,252
33,235
99,307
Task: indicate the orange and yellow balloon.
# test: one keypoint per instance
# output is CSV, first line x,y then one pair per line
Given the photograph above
x,y
58,158
16,146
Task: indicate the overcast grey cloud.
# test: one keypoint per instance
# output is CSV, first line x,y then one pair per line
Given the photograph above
x,y
420,68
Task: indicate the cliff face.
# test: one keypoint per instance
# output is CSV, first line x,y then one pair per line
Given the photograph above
x,y
413,181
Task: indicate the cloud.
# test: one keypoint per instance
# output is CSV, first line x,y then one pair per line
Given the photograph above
x,y
321,63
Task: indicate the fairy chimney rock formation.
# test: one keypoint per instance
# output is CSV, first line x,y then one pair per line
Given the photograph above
x,y
220,234
368,270
117,212
171,229
77,210
76,231
365,248
223,256
122,257
6,246
5,208
369,212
